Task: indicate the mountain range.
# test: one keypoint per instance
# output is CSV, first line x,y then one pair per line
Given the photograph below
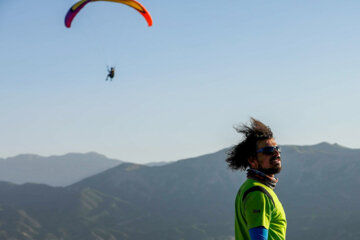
x,y
188,199
60,170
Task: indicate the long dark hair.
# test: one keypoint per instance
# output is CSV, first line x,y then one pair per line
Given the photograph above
x,y
238,155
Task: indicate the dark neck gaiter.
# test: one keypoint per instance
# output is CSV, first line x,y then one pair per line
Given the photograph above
x,y
262,177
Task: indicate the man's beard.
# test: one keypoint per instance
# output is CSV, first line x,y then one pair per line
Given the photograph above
x,y
273,170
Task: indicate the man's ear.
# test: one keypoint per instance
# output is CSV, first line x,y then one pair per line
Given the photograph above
x,y
253,162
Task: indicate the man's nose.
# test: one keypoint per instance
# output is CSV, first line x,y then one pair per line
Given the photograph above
x,y
276,152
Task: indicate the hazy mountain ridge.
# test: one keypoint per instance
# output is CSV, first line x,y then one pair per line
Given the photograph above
x,y
188,199
156,164
323,147
59,170
322,185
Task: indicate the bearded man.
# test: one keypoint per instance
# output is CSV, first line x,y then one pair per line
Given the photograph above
x,y
259,215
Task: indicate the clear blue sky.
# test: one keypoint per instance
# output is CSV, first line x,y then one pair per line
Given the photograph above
x,y
180,85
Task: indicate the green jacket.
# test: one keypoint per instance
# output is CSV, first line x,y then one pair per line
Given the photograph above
x,y
257,205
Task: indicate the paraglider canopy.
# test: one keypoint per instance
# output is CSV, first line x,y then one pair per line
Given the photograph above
x,y
74,10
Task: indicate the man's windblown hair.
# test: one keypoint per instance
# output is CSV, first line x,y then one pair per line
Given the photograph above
x,y
238,156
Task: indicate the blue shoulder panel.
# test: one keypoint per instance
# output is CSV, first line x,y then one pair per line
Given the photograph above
x,y
258,233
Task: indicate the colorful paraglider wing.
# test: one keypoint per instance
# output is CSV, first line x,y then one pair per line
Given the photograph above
x,y
74,10
136,5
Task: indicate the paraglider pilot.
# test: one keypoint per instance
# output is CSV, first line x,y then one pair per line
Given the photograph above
x,y
111,73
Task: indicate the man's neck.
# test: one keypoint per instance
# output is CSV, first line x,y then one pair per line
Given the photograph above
x,y
258,175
